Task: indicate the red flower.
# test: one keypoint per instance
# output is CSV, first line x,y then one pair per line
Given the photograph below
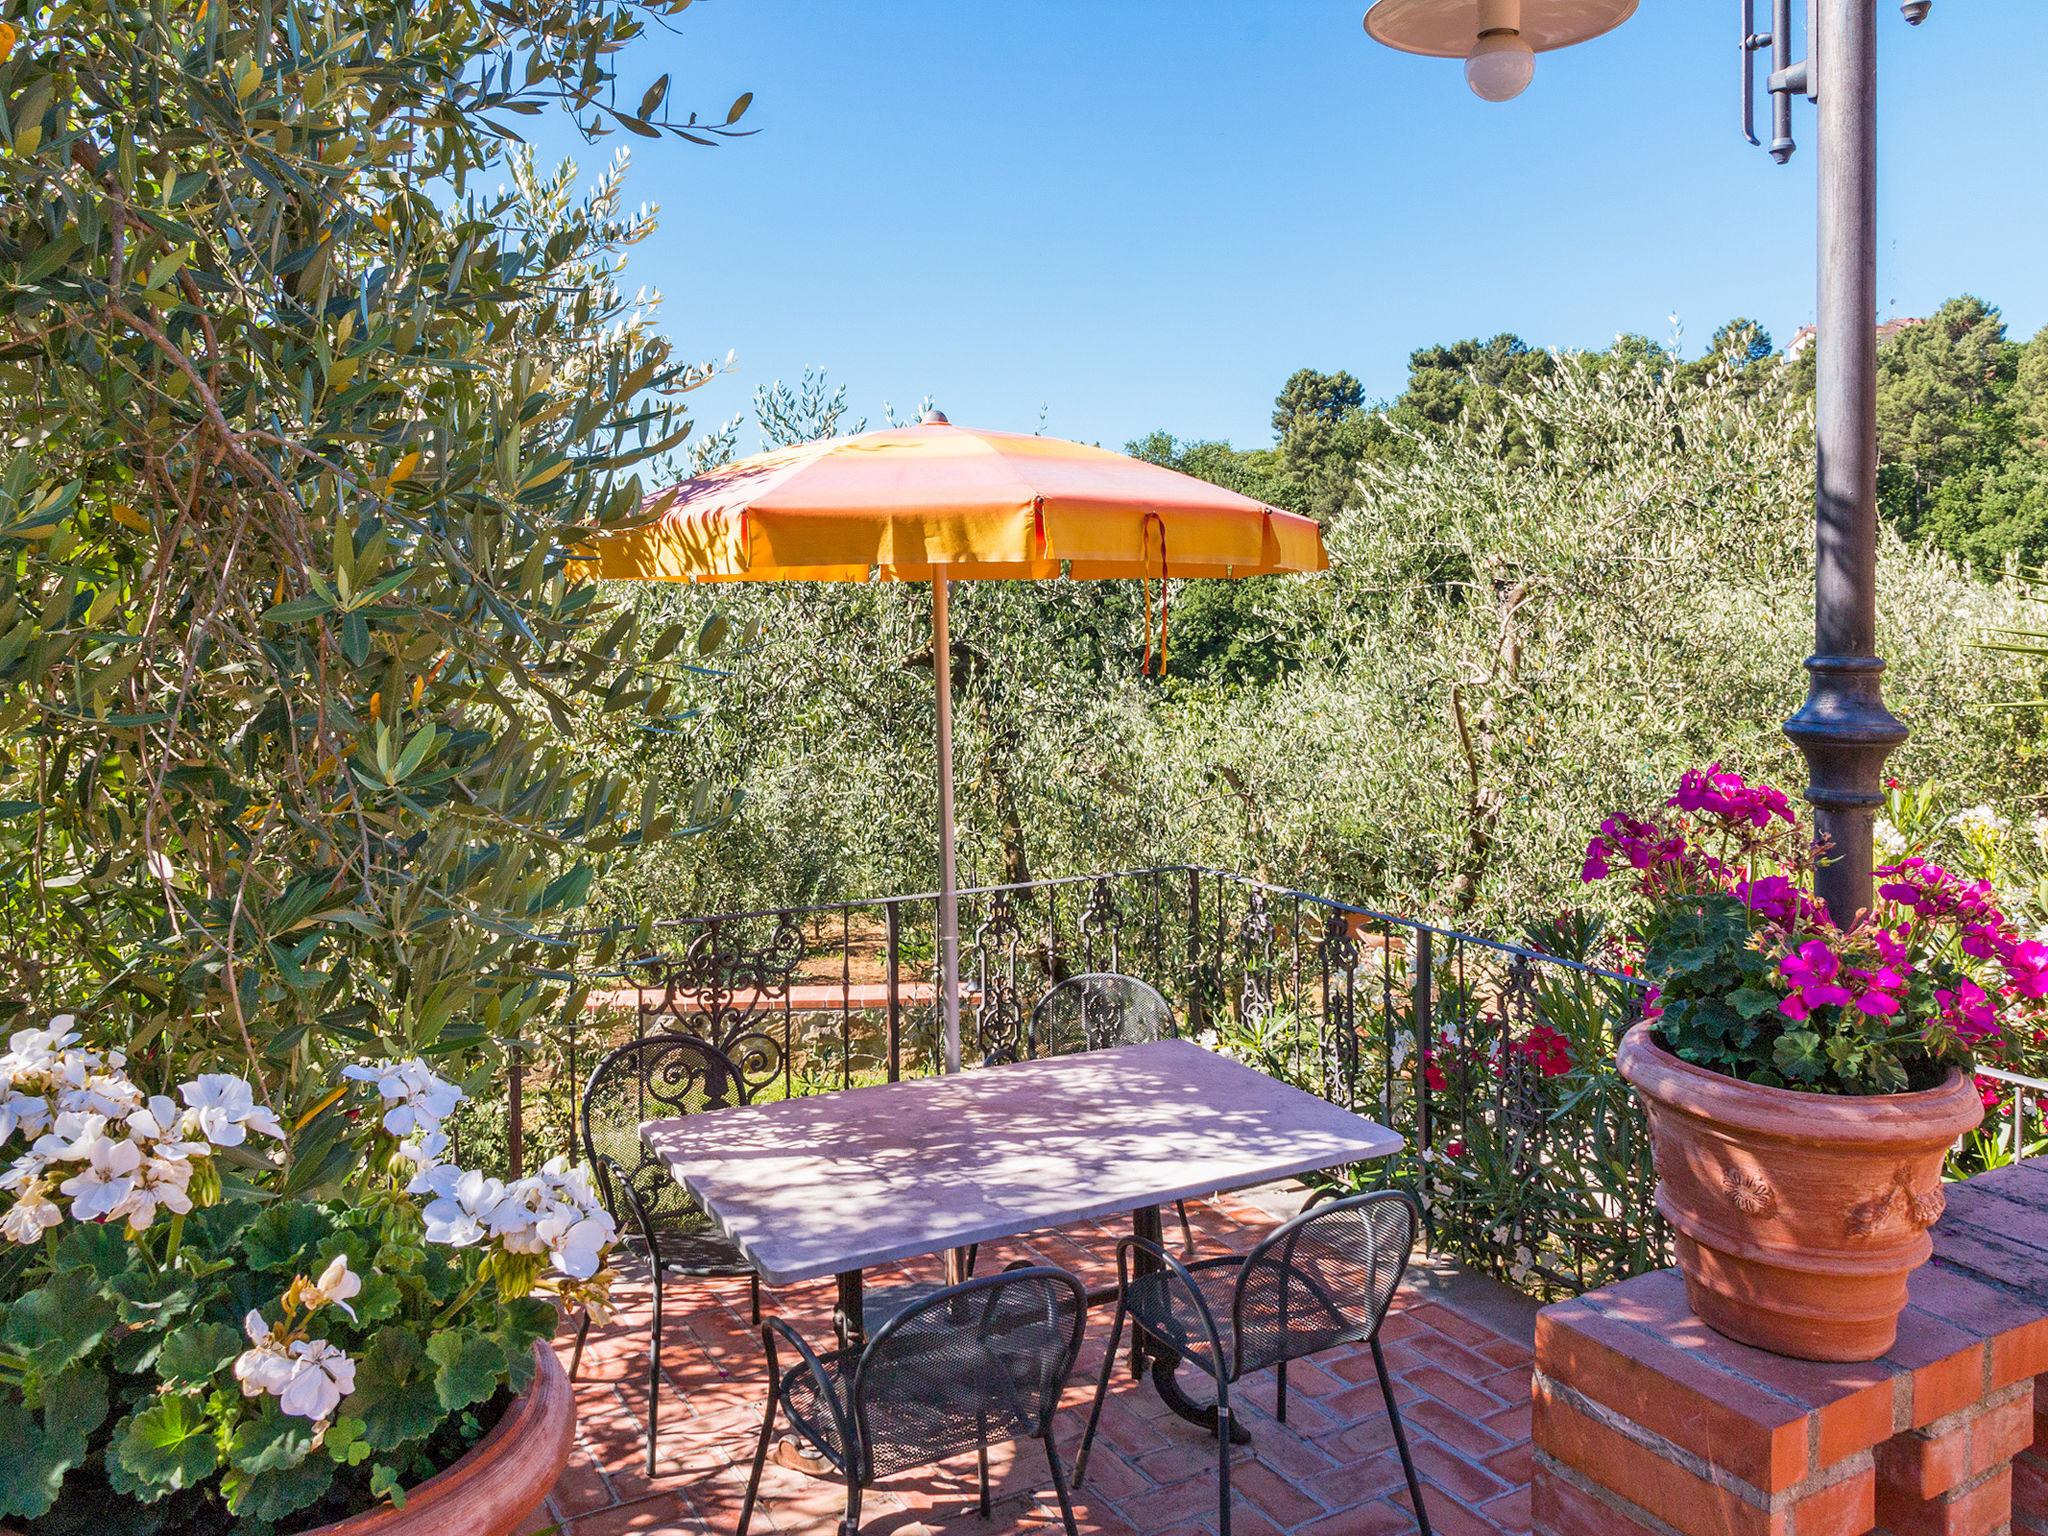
x,y
1546,1050
1454,1149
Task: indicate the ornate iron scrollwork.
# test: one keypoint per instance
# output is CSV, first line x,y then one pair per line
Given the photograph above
x,y
724,988
1338,1037
1101,916
999,1013
1255,950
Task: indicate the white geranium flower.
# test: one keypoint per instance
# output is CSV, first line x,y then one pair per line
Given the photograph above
x,y
527,1204
72,1136
223,1110
322,1376
419,1101
106,1093
337,1283
33,1214
158,1126
159,1182
578,1250
465,1206
574,1183
37,1050
104,1186
265,1367
423,1151
25,1113
24,1171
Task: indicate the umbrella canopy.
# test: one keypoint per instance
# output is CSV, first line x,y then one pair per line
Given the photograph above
x,y
941,503
904,503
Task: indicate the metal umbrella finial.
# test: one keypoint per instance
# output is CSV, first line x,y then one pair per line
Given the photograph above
x,y
933,417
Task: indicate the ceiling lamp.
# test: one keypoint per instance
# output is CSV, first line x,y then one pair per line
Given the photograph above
x,y
1497,39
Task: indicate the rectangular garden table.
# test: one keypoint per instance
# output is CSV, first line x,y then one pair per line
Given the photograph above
x,y
842,1182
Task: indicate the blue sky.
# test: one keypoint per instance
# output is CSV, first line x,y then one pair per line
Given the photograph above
x,y
1147,214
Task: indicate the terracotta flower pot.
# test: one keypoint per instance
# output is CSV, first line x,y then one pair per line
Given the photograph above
x,y
502,1479
1798,1216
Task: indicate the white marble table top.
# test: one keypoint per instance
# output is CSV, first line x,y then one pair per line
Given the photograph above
x,y
845,1181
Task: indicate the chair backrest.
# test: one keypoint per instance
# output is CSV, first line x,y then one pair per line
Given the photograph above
x,y
651,1078
1097,1011
1324,1278
984,1359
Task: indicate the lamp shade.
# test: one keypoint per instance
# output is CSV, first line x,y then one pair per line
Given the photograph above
x,y
1448,29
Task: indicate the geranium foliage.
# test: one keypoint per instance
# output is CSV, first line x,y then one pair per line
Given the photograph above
x,y
182,1355
1755,980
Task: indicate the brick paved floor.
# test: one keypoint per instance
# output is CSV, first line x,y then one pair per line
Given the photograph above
x,y
1331,1470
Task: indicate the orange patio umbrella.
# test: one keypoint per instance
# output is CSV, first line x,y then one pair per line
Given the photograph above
x,y
941,503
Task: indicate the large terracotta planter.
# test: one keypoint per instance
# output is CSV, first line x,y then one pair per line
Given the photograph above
x,y
502,1480
1797,1216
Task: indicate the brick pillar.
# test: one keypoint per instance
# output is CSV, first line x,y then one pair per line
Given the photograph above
x,y
1647,1423
2030,1473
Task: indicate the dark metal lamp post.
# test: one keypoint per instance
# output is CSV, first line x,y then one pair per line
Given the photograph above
x,y
1843,728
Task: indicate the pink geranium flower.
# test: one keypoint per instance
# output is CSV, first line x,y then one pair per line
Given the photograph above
x,y
1967,1010
2026,967
1813,969
1720,793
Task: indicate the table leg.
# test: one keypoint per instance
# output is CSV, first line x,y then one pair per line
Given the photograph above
x,y
849,1318
1164,1362
1146,1228
849,1322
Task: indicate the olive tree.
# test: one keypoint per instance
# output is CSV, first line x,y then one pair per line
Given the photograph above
x,y
310,379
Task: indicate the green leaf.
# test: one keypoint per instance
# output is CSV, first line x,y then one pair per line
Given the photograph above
x,y
271,1441
61,1322
193,1353
299,609
151,1298
36,1453
1752,1003
267,1497
395,1390
167,1446
344,1442
471,1366
285,1236
1797,1053
712,635
387,1482
97,1247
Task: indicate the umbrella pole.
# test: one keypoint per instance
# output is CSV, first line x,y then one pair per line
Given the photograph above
x,y
949,899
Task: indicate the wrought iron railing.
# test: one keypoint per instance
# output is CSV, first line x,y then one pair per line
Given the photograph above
x,y
2015,1122
1495,1060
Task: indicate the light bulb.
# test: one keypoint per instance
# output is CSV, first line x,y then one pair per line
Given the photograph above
x,y
1501,66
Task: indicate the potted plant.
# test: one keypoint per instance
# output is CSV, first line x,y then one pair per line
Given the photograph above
x,y
1803,1082
204,1331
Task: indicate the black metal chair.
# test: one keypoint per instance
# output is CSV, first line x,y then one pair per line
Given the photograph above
x,y
984,1358
1100,1010
1324,1278
650,1079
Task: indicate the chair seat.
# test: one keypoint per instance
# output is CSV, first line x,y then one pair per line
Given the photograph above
x,y
1160,1304
702,1254
926,1399
690,1243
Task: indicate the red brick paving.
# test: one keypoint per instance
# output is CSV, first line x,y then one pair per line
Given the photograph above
x,y
1329,1471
